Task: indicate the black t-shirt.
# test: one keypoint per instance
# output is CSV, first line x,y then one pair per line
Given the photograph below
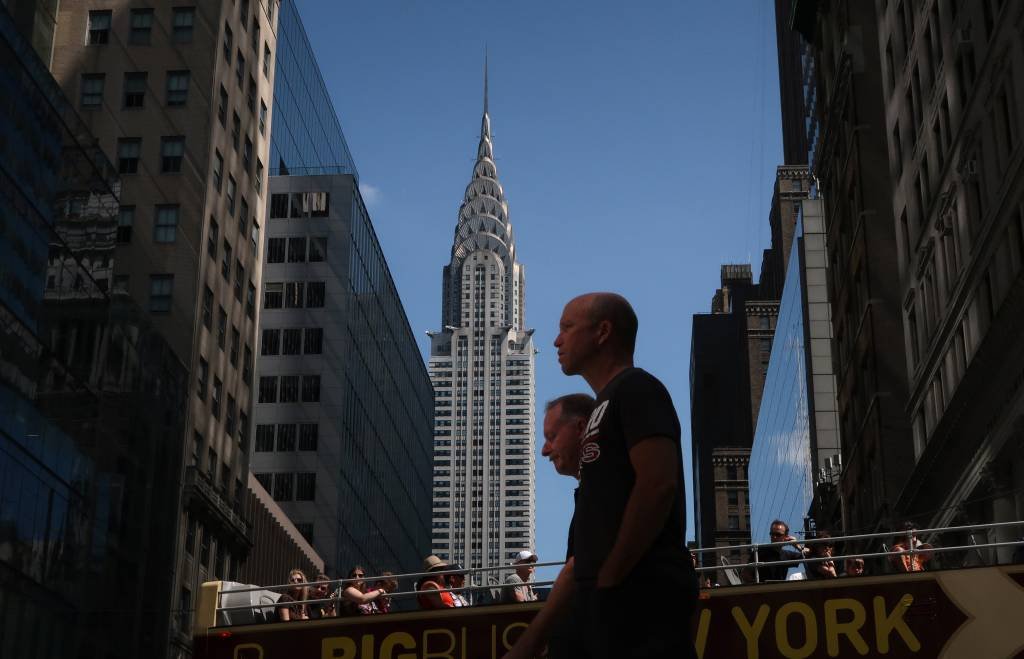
x,y
633,407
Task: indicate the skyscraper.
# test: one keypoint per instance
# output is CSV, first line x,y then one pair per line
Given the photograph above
x,y
481,365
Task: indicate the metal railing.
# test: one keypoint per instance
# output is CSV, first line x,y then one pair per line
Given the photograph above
x,y
908,535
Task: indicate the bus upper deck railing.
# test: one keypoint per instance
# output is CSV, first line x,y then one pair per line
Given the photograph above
x,y
909,536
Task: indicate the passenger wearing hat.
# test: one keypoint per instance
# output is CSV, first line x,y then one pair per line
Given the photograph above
x,y
517,587
434,581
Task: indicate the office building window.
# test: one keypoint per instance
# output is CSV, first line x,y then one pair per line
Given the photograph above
x,y
315,294
270,344
236,130
314,341
225,264
239,278
250,301
258,180
305,487
317,249
240,69
229,424
92,90
291,343
309,433
310,388
236,338
182,24
285,437
172,152
268,389
222,107
160,291
229,40
128,154
165,227
264,438
243,437
135,89
293,291
254,236
177,87
99,28
247,155
250,96
256,34
278,206
218,169
232,188
247,366
297,250
243,216
208,308
243,12
275,250
319,204
266,61
283,485
263,118
125,222
215,396
289,389
222,328
203,378
266,481
273,295
141,27
211,239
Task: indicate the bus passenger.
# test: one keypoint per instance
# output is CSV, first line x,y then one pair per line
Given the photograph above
x,y
322,591
853,567
355,599
291,605
821,569
456,578
388,586
434,581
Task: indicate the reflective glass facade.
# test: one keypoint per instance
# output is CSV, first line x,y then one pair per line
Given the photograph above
x,y
305,135
91,398
780,461
367,473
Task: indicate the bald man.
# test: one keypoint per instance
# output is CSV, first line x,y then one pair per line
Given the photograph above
x,y
629,524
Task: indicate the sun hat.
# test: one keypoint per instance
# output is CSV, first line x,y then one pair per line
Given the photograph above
x,y
525,556
432,562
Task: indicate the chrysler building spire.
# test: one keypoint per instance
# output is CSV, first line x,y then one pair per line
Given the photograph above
x,y
481,366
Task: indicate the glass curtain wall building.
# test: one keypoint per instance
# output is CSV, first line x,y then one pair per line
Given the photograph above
x,y
91,398
344,416
345,409
796,461
306,137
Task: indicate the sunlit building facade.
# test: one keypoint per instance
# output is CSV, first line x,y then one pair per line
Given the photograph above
x,y
482,368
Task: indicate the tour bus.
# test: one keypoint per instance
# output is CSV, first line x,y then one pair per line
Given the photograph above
x,y
973,612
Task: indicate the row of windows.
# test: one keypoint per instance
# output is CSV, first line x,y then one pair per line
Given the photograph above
x,y
289,486
292,341
297,249
172,154
285,205
293,295
133,90
141,26
308,435
166,218
290,390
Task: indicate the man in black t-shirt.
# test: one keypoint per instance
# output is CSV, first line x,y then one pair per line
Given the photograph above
x,y
629,524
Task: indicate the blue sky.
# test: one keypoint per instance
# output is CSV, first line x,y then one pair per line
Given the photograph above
x,y
637,144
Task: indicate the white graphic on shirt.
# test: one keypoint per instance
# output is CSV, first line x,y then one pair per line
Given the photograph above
x,y
590,450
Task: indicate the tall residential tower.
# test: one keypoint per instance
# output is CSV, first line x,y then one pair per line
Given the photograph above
x,y
481,365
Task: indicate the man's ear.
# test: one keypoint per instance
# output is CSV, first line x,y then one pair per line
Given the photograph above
x,y
604,331
581,425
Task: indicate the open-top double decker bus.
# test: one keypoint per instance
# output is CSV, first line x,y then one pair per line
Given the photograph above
x,y
958,613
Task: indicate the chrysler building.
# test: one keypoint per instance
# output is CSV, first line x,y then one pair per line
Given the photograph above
x,y
481,366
